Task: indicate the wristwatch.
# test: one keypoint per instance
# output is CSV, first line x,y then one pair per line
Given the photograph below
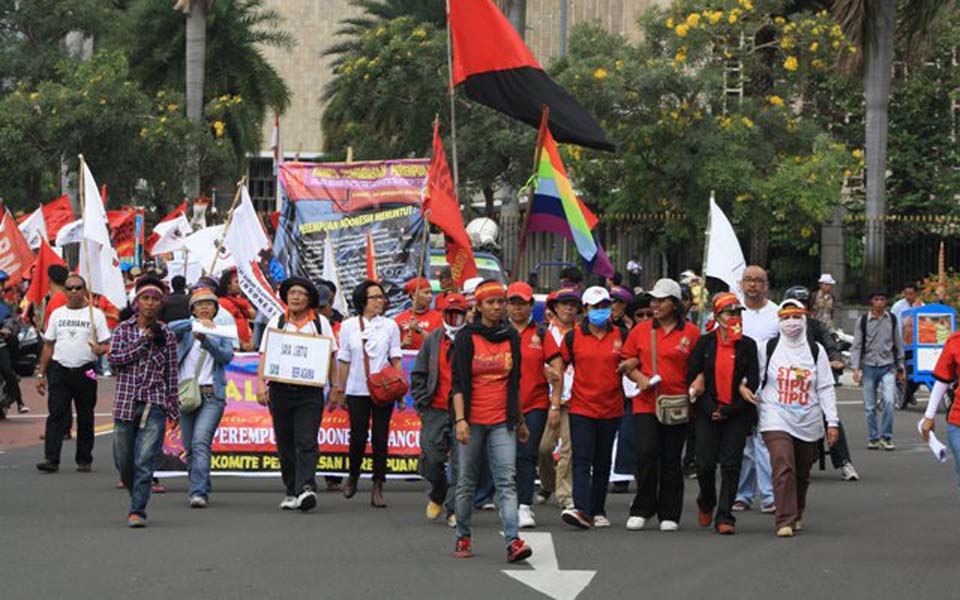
x,y
554,407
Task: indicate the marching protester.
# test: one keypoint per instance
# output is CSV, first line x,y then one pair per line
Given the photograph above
x,y
176,307
620,299
447,286
817,332
722,366
877,360
202,360
487,415
368,343
8,336
655,358
595,407
297,410
760,323
796,395
557,476
143,354
72,346
945,373
824,301
57,276
418,320
909,298
431,382
534,394
233,302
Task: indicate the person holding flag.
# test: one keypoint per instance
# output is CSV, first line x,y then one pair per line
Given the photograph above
x,y
418,320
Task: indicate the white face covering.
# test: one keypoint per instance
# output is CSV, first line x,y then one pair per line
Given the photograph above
x,y
452,330
792,329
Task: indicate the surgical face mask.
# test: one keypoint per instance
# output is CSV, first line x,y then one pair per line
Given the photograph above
x,y
791,328
599,316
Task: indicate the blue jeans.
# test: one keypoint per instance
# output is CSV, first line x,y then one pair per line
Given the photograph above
x,y
528,454
499,445
953,440
755,471
625,462
873,378
592,443
135,450
196,431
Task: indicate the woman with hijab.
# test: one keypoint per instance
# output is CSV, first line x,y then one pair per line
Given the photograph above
x,y
796,393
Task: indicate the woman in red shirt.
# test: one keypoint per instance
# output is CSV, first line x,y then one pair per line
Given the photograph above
x,y
232,300
596,406
487,417
659,446
722,362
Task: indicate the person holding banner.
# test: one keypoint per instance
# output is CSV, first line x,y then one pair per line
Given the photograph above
x,y
204,358
487,413
419,319
430,383
297,410
368,342
232,301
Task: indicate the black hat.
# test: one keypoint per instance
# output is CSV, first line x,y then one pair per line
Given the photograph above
x,y
878,292
305,284
324,296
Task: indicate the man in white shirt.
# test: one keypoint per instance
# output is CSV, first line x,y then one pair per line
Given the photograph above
x,y
76,337
909,298
760,322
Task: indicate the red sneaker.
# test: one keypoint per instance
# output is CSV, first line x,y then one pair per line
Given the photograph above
x,y
462,549
157,488
518,550
704,518
726,529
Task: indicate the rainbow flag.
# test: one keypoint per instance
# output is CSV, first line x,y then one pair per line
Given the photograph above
x,y
556,209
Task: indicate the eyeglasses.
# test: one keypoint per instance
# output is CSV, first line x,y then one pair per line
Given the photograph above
x,y
73,288
376,297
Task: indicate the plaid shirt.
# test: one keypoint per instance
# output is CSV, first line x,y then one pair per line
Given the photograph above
x,y
145,373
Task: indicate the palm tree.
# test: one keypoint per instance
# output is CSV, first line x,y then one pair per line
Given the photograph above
x,y
196,42
872,26
376,12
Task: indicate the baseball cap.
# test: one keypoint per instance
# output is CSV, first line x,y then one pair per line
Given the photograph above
x,y
520,289
620,293
595,295
666,288
456,302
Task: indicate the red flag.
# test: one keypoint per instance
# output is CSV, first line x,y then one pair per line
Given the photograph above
x,y
40,282
440,207
180,210
371,258
15,254
123,231
56,214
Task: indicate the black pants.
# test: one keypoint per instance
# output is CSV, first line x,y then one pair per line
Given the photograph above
x,y
361,408
840,453
591,442
10,380
690,449
719,442
65,387
297,412
659,474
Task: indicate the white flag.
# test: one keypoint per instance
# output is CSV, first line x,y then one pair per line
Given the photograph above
x,y
71,233
724,255
170,235
202,247
248,244
34,229
330,273
99,263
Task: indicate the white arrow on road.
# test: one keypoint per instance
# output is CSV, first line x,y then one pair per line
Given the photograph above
x,y
546,576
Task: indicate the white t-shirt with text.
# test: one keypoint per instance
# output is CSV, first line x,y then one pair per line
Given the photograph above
x,y
69,330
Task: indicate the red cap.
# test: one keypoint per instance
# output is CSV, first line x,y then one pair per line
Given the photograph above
x,y
520,289
410,287
456,302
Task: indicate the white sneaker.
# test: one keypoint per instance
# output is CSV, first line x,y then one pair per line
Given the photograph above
x,y
636,523
198,502
669,525
525,517
289,503
601,521
307,500
848,473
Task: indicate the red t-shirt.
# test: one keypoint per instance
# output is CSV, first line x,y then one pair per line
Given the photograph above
x,y
427,322
534,390
491,374
597,387
723,372
673,349
441,396
56,301
946,371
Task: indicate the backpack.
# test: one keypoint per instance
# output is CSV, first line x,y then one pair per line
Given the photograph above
x,y
283,321
772,345
863,331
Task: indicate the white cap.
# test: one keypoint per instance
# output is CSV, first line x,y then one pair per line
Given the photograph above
x,y
593,296
470,285
828,279
666,288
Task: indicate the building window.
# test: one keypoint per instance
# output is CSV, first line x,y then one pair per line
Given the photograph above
x,y
262,184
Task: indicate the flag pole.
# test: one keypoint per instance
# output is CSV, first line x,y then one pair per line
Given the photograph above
x,y
453,104
86,252
706,256
544,119
226,227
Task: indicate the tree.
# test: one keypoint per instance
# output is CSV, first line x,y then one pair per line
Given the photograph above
x,y
196,42
872,28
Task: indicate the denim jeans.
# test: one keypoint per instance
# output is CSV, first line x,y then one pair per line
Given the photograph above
x,y
196,431
625,462
436,442
873,378
499,445
136,445
528,454
592,441
953,440
755,471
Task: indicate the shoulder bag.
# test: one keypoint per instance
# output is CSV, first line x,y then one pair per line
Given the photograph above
x,y
188,390
387,385
670,409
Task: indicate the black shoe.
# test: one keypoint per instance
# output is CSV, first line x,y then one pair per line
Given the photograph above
x,y
83,468
48,467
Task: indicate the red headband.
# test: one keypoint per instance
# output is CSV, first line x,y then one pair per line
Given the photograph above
x,y
492,289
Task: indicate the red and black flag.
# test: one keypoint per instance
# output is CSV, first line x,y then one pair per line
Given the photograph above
x,y
499,71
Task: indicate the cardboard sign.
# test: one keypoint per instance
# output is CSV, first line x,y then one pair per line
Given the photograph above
x,y
296,358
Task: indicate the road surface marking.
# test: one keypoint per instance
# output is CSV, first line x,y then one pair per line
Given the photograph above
x,y
546,576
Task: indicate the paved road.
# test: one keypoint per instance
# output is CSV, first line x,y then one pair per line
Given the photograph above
x,y
892,535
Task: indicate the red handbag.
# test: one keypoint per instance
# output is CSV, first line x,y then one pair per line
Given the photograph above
x,y
386,386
